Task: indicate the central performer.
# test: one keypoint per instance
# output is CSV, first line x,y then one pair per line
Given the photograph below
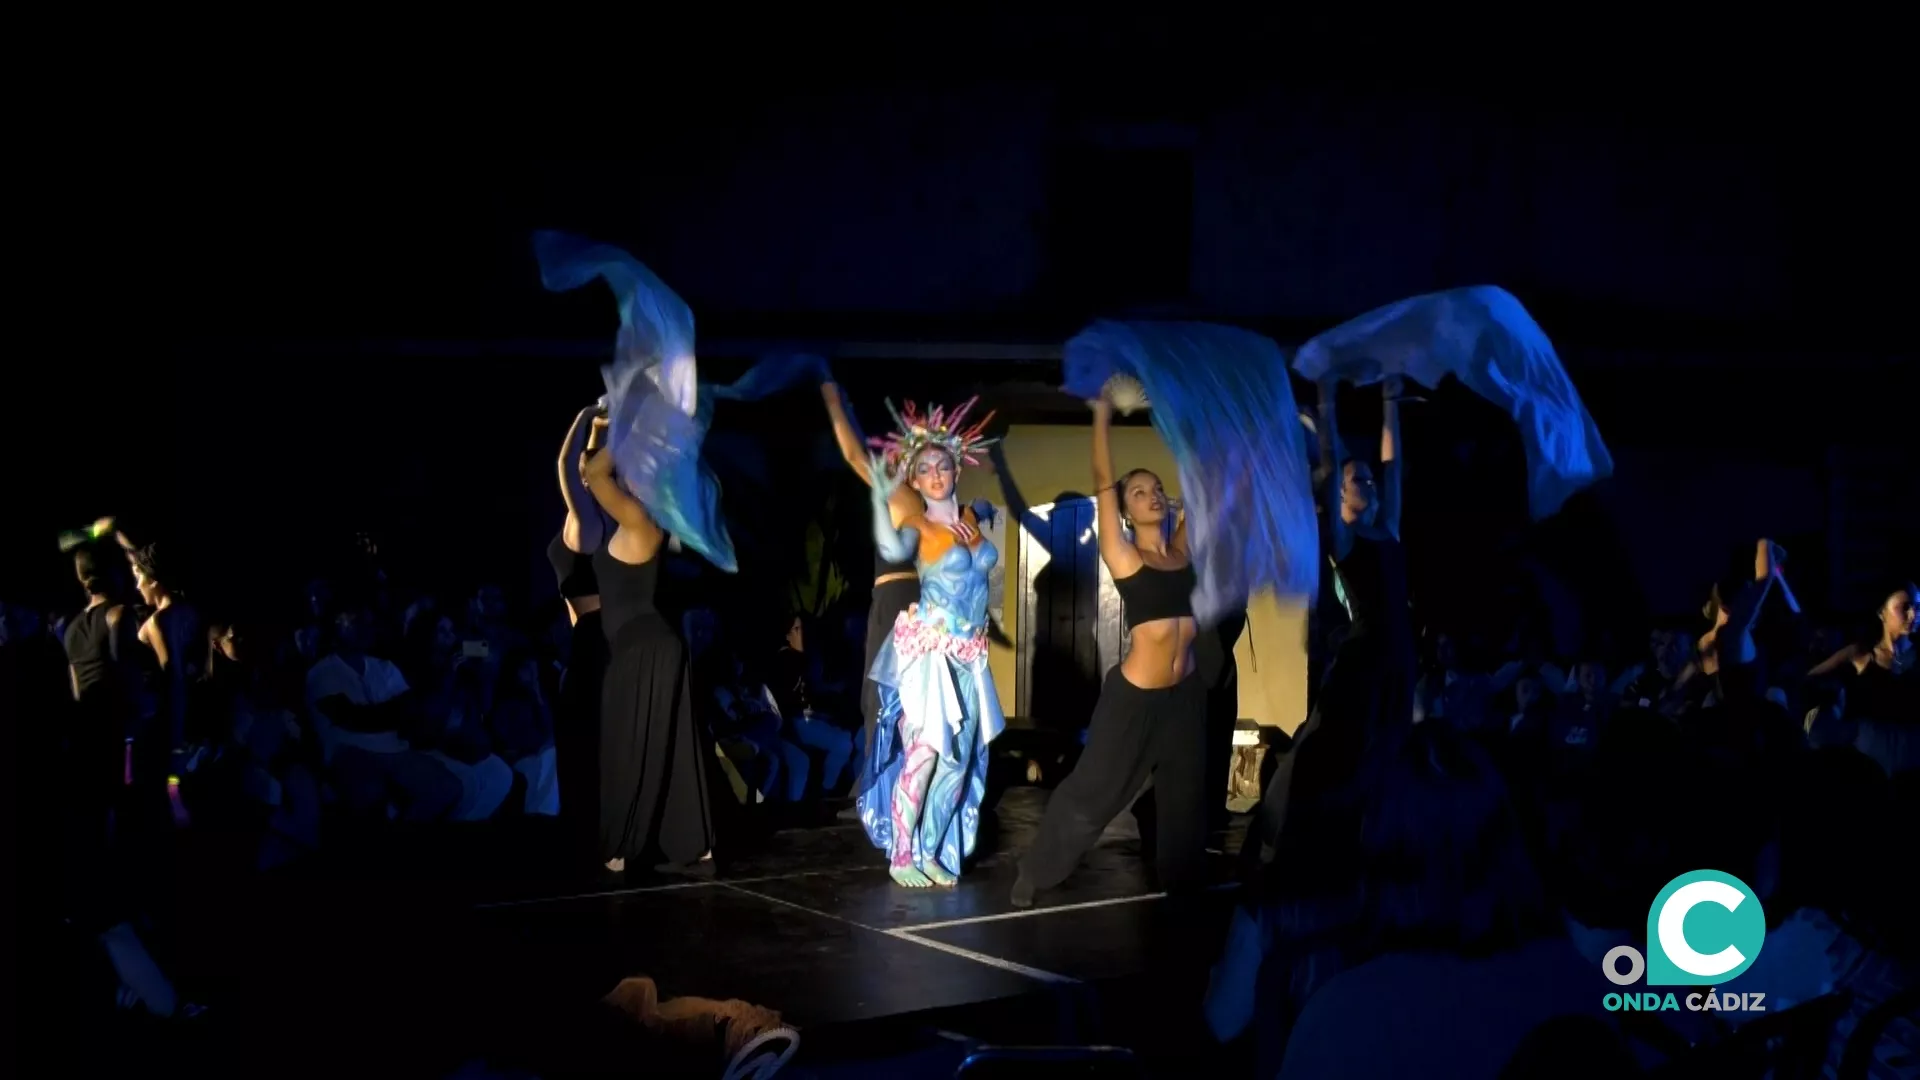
x,y
938,705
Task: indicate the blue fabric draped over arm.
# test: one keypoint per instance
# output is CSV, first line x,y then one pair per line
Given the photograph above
x,y
657,411
1222,401
1484,338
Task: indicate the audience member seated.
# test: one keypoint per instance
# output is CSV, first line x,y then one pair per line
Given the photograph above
x,y
521,726
359,704
812,728
747,714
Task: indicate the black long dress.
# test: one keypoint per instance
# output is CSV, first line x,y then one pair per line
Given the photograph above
x,y
1365,698
653,780
576,731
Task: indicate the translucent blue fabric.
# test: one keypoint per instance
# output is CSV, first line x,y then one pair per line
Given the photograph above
x,y
657,411
1484,338
1221,399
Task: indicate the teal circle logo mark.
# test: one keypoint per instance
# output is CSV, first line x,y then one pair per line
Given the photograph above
x,y
1704,928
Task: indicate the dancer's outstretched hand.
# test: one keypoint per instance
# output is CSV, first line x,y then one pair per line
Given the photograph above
x,y
1125,393
885,481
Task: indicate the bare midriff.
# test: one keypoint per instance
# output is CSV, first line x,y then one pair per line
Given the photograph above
x,y
1160,653
579,607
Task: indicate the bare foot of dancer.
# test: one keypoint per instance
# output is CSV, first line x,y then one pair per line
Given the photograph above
x,y
939,876
618,866
911,877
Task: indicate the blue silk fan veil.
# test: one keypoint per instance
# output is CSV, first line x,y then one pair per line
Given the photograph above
x,y
658,412
1222,401
1484,338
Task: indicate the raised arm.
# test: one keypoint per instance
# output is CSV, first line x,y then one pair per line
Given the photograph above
x,y
1735,639
596,470
895,544
853,450
1333,459
1391,466
583,520
1122,558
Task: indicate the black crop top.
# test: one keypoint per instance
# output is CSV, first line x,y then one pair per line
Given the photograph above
x,y
883,568
1150,593
573,570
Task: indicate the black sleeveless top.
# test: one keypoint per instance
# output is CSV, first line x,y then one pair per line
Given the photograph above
x,y
882,568
573,570
1875,693
626,590
95,649
1373,587
1150,593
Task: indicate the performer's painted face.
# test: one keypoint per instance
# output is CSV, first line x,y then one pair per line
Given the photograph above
x,y
1898,613
1357,496
1143,499
934,475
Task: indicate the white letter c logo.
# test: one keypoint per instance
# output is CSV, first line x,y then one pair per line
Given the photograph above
x,y
1673,937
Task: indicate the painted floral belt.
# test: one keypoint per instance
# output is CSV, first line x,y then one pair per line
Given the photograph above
x,y
913,639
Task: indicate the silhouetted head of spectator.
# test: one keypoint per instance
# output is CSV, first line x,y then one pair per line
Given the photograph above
x,y
1529,690
102,570
519,675
796,637
1670,647
1444,860
354,631
489,605
1590,677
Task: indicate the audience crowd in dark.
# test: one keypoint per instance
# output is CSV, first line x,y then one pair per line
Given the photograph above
x,y
1500,852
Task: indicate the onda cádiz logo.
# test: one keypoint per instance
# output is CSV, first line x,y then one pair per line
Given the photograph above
x,y
1703,929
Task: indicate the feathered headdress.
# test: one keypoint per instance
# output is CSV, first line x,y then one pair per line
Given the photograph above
x,y
913,433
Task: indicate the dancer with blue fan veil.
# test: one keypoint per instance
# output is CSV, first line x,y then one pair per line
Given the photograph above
x,y
641,463
641,467
1222,401
1483,337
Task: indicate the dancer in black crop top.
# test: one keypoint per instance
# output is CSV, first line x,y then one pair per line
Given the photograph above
x,y
1151,717
1366,695
576,729
896,586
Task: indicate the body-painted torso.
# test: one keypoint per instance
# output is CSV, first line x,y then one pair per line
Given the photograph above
x,y
955,564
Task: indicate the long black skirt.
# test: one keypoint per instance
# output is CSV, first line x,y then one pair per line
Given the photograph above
x,y
1365,704
653,778
889,600
576,733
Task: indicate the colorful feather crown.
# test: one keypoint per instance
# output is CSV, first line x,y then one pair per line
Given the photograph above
x,y
914,432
